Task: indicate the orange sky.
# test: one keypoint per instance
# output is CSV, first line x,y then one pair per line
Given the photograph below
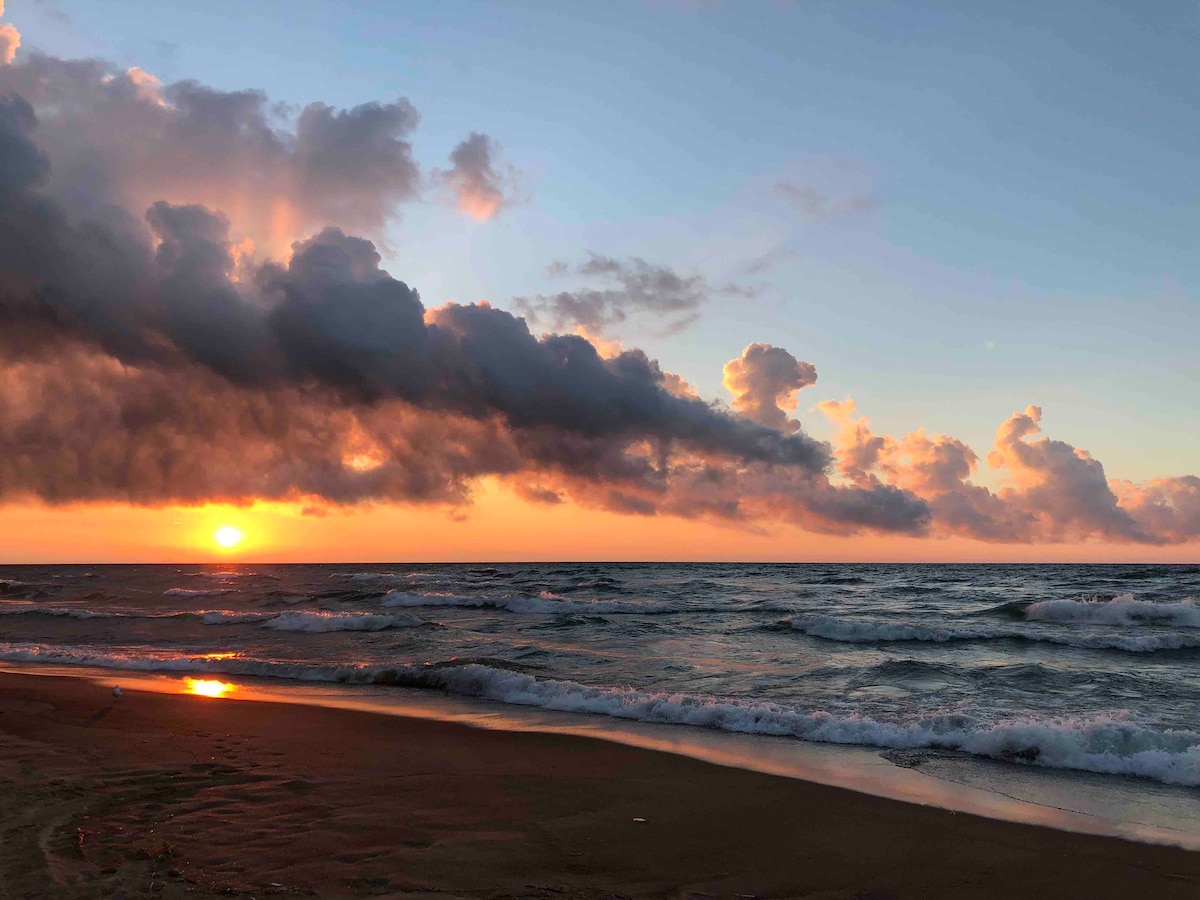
x,y
499,527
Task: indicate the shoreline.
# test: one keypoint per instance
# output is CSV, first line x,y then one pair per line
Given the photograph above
x,y
1064,799
107,793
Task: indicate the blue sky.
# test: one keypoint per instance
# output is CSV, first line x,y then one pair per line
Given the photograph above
x,y
1032,236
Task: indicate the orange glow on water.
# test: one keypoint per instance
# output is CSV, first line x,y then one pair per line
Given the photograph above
x,y
205,687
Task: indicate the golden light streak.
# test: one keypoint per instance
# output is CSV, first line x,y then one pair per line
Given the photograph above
x,y
206,687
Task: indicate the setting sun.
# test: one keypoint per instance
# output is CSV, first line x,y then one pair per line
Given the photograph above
x,y
227,536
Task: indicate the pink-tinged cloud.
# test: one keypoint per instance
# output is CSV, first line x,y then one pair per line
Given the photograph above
x,y
1051,490
10,41
116,137
1166,507
479,189
764,381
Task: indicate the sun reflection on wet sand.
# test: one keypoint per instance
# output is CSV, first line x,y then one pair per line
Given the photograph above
x,y
206,687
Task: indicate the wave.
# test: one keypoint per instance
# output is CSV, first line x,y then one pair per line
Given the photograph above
x,y
287,620
527,605
858,632
384,576
1121,610
77,613
320,622
233,617
1109,744
313,622
229,574
196,592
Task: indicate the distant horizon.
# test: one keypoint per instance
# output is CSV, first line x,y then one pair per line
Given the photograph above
x,y
610,562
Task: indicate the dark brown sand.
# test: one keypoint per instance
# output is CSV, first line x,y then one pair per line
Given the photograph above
x,y
169,796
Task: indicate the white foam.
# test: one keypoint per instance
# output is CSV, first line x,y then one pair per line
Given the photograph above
x,y
1108,744
195,592
1111,744
859,632
319,622
543,605
1123,610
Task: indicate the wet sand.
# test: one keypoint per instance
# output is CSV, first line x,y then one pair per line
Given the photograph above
x,y
177,796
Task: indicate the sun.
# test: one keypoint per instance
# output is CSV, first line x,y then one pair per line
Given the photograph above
x,y
227,536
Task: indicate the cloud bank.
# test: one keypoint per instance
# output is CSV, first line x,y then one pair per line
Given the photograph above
x,y
1052,491
186,316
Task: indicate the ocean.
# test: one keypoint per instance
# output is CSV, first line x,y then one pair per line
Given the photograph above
x,y
1079,668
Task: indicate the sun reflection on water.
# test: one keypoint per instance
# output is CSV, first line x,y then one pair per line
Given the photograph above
x,y
206,687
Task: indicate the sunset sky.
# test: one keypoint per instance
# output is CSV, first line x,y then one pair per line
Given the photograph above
x,y
631,280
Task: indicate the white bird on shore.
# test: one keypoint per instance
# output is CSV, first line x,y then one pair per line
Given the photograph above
x,y
117,691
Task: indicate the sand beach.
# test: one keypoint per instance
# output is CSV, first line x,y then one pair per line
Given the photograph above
x,y
185,796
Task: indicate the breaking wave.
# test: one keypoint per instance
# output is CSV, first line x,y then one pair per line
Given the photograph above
x,y
1122,610
1110,744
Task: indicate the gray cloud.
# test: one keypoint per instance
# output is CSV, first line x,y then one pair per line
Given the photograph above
x,y
617,291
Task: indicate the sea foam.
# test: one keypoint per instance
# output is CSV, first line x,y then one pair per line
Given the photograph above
x,y
1110,744
1122,610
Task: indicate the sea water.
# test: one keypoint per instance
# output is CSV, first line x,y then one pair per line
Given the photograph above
x,y
969,671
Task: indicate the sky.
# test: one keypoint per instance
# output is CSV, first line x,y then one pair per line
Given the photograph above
x,y
934,266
